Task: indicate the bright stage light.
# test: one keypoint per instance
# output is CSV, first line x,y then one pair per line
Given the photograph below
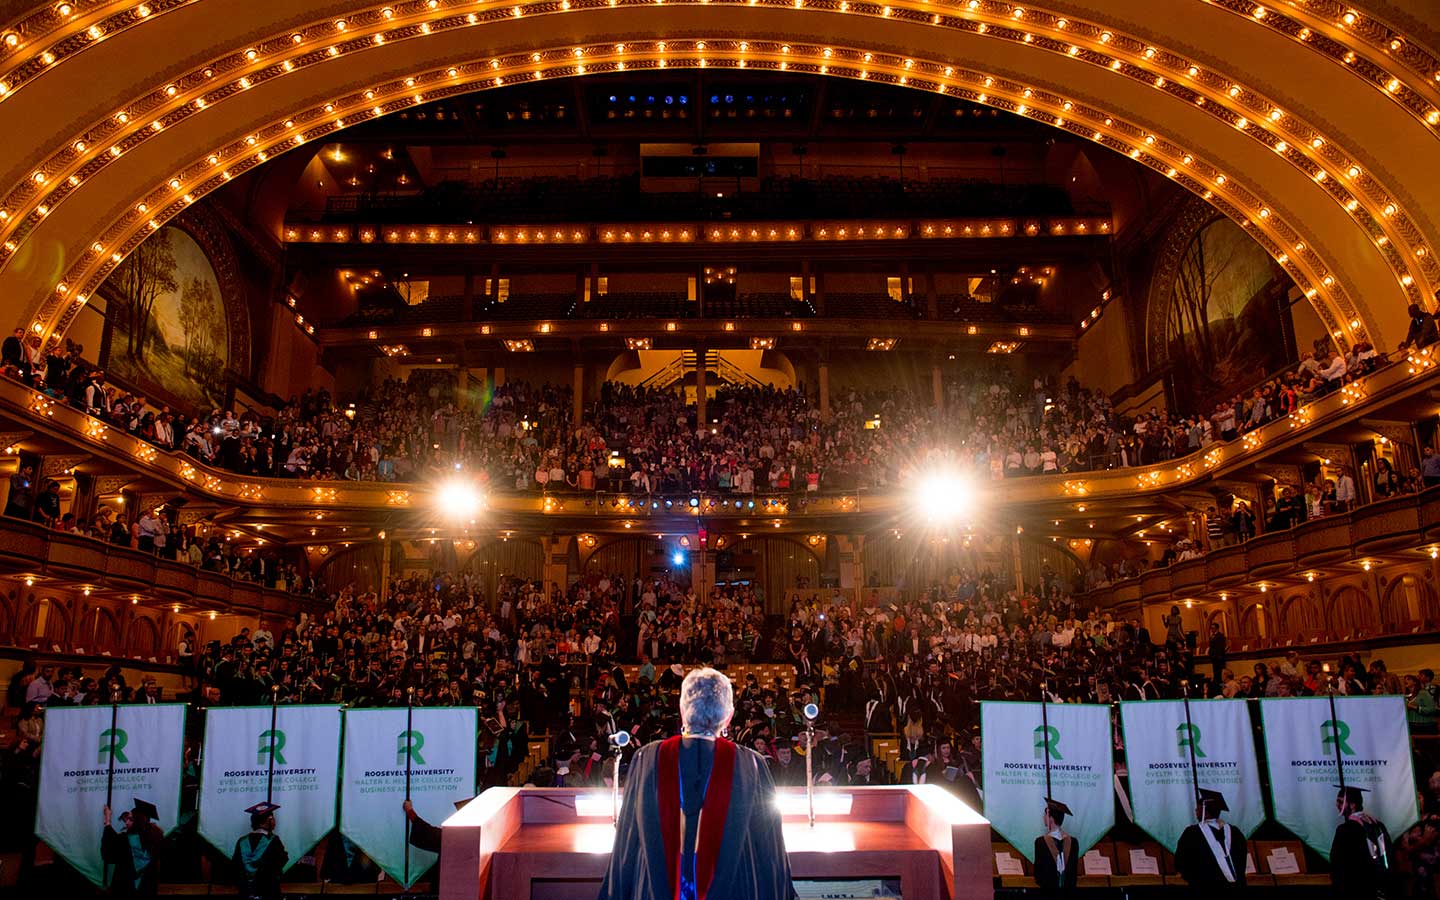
x,y
946,497
459,499
678,558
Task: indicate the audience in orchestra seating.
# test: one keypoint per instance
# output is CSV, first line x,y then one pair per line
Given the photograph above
x,y
608,653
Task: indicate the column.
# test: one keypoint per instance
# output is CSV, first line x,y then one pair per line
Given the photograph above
x,y
557,561
932,299
701,356
467,302
1019,569
819,292
824,379
937,384
578,400
382,589
499,377
700,292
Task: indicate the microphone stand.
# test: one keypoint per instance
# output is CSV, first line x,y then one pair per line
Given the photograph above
x,y
615,787
809,771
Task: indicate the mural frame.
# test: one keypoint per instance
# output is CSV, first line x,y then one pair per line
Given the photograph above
x,y
206,230
1181,234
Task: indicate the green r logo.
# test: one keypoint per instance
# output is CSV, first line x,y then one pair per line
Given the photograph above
x,y
408,743
271,743
1047,738
1188,737
1333,734
112,743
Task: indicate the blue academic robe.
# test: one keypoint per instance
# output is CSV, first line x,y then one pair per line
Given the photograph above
x,y
751,863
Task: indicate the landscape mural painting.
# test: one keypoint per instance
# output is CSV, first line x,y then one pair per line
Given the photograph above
x,y
1223,329
170,333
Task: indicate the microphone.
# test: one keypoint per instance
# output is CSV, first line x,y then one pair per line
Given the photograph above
x,y
811,711
620,739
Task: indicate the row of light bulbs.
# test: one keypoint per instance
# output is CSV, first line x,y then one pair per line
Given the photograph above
x,y
341,26
1106,37
71,37
290,124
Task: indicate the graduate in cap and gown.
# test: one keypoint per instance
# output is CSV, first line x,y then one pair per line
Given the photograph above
x,y
260,856
1361,861
1057,855
133,853
1211,853
698,818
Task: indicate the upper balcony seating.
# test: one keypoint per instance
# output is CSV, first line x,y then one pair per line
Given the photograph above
x,y
877,305
620,198
638,305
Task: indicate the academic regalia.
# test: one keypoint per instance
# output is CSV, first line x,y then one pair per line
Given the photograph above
x,y
259,860
1211,854
132,856
1361,856
260,856
1057,859
738,850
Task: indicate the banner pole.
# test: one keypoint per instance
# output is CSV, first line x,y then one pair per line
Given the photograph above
x,y
1190,742
409,727
110,773
270,775
1339,759
1045,733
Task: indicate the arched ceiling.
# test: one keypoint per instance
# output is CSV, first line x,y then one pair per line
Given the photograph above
x,y
1315,124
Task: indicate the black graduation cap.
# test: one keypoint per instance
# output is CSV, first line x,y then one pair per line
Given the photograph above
x,y
1058,810
264,807
1213,801
1351,793
146,809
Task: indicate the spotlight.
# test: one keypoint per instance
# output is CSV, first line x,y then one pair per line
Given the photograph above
x,y
459,499
678,558
945,496
694,502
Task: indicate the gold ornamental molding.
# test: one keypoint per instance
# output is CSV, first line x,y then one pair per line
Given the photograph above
x,y
1372,206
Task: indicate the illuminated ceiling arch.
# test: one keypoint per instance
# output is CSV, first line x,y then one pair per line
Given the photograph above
x,y
1340,203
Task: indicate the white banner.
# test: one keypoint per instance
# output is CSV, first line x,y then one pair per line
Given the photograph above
x,y
1159,742
1302,739
147,745
1014,739
240,745
438,748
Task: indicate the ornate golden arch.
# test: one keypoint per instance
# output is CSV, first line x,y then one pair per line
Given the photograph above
x,y
1206,131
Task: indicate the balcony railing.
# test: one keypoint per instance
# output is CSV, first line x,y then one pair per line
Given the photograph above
x,y
37,553
28,409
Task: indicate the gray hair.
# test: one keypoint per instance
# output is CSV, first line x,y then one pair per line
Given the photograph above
x,y
707,701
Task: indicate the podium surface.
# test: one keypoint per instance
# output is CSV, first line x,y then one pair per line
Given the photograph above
x,y
554,843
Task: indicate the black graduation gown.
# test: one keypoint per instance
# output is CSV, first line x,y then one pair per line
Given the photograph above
x,y
265,881
115,852
1353,871
751,863
1198,866
1046,875
427,837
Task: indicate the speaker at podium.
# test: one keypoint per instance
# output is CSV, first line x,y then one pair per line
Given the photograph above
x,y
914,842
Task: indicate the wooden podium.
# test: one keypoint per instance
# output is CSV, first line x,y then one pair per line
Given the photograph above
x,y
554,843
